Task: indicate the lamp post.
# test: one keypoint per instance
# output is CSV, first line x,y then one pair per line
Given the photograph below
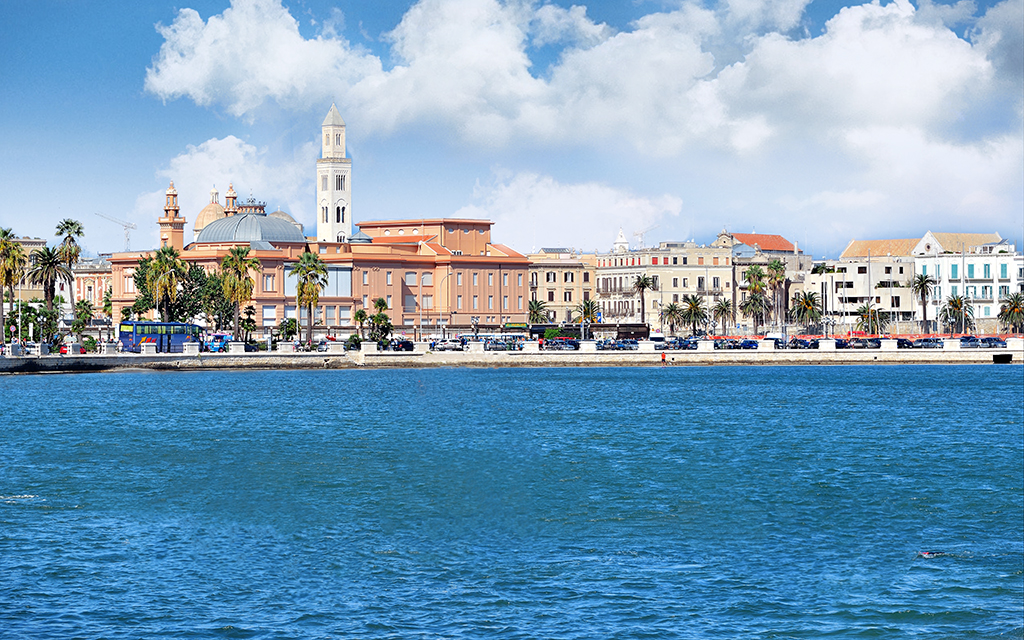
x,y
440,286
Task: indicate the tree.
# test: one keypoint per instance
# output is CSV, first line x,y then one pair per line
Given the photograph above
x,y
921,285
237,282
640,285
806,308
1011,312
694,311
957,312
69,249
538,312
672,313
588,310
722,312
108,302
312,278
47,269
754,278
214,304
84,312
12,270
360,318
755,307
249,323
288,328
776,278
162,278
870,319
380,323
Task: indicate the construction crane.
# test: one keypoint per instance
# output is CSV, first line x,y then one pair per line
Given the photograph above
x,y
128,226
640,234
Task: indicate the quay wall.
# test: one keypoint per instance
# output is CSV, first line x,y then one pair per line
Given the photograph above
x,y
356,359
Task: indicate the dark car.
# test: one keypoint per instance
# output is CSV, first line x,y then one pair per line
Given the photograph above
x,y
842,343
627,344
727,343
927,343
748,344
401,345
969,342
865,343
993,343
903,343
799,343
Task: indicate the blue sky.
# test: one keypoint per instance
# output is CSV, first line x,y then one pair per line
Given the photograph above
x,y
561,122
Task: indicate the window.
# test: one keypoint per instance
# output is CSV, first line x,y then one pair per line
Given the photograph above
x,y
410,278
714,261
685,282
675,297
475,283
700,261
675,283
569,276
458,278
901,270
1002,271
716,283
862,269
988,311
337,139
888,269
490,279
388,300
894,302
953,271
550,276
387,278
327,139
504,302
428,302
586,295
323,182
684,259
365,305
490,302
986,270
520,303
551,296
675,260
970,271
1004,291
339,182
700,283
986,291
268,282
269,315
938,293
366,278
567,296
924,269
410,302
458,302
504,279
654,260
953,290
586,276
427,280
476,301
329,315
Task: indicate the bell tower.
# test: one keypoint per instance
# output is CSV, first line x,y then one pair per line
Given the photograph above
x,y
333,182
172,225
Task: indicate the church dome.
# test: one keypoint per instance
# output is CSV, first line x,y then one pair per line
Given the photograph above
x,y
250,227
210,212
283,216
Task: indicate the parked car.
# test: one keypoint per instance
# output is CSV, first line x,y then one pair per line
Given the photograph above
x,y
401,345
970,342
748,344
799,343
993,343
842,343
928,343
627,344
727,343
865,343
903,343
448,345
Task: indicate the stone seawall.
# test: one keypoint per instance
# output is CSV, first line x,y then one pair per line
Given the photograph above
x,y
206,362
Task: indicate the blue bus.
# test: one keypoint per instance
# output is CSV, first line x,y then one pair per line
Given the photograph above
x,y
169,337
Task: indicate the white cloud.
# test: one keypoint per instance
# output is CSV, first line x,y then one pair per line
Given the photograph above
x,y
531,210
221,162
553,24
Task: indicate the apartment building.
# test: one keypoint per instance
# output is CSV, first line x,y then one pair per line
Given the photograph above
x,y
562,279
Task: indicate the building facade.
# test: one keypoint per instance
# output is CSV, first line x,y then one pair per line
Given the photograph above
x,y
562,279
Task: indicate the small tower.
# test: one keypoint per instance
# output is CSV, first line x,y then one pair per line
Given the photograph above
x,y
172,225
333,182
230,201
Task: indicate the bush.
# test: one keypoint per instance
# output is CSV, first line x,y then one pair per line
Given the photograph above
x,y
89,343
353,343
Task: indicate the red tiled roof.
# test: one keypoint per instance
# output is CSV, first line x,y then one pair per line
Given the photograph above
x,y
767,242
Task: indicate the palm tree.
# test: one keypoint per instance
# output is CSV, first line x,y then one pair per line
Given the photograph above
x,y
380,305
755,307
108,302
360,318
673,315
921,285
69,249
1011,312
776,277
84,312
957,310
237,282
587,311
538,312
806,308
12,270
162,278
694,311
754,277
722,312
48,268
312,275
640,285
870,319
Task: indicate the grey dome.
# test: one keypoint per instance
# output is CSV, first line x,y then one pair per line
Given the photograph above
x,y
250,227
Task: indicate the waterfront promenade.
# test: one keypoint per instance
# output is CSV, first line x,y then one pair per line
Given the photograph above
x,y
423,358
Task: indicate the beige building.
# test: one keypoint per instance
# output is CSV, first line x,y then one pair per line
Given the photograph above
x,y
562,279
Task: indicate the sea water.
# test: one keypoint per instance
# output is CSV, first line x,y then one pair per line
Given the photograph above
x,y
746,502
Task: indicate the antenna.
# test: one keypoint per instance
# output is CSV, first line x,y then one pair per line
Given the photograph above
x,y
128,226
640,234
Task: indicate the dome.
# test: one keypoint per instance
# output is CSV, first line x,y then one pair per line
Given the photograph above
x,y
250,227
283,216
210,213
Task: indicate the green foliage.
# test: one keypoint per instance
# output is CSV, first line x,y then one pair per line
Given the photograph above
x,y
870,319
957,313
538,312
380,326
47,269
672,313
722,312
249,323
552,332
1011,312
806,308
89,343
288,328
360,318
83,316
694,313
312,278
69,250
642,284
237,283
354,342
587,310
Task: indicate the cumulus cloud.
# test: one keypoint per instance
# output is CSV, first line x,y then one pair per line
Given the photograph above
x,y
553,24
220,162
530,210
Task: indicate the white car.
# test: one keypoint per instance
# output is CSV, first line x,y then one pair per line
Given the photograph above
x,y
448,345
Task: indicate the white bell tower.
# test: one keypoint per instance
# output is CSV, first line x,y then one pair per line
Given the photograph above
x,y
333,182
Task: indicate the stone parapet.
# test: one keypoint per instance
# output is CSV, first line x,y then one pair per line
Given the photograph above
x,y
826,344
588,346
646,346
703,346
236,347
148,349
951,344
190,349
766,345
888,344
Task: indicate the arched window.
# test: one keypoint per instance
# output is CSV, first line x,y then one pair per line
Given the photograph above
x,y
327,139
342,215
338,214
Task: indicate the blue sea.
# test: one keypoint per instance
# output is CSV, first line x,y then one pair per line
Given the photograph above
x,y
679,502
